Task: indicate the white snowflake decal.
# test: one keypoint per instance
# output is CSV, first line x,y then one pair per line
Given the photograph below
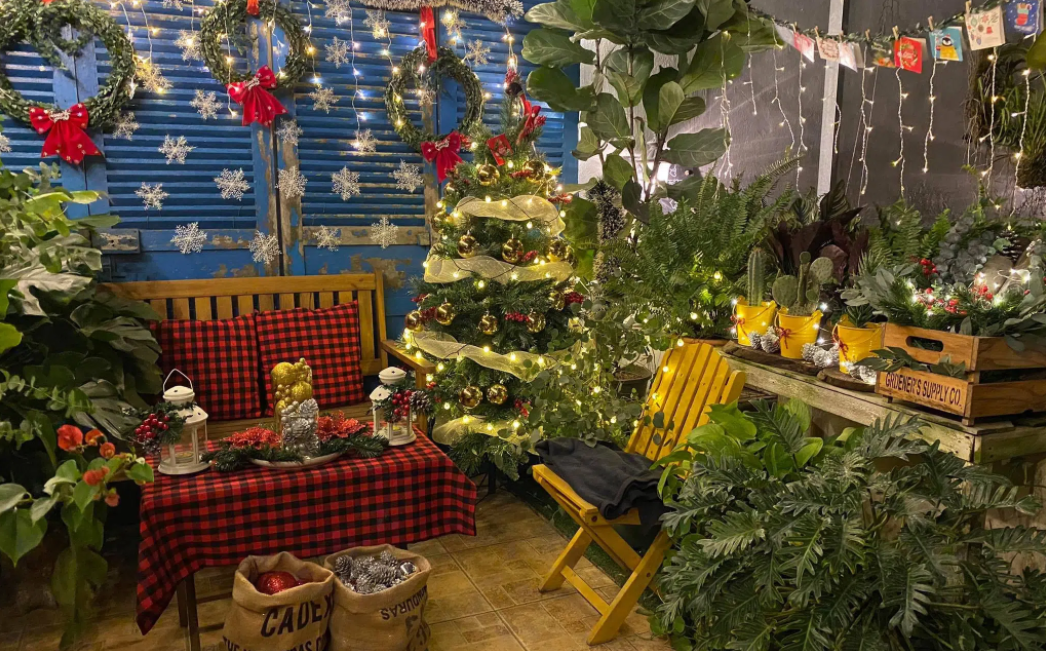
x,y
175,149
292,182
232,184
339,10
408,177
453,23
288,132
425,96
346,183
149,74
126,125
323,99
5,144
152,196
265,248
365,142
383,233
206,104
189,238
190,44
378,24
477,52
174,4
337,51
328,238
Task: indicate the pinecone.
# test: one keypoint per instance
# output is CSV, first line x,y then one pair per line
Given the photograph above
x,y
388,558
863,373
343,569
770,342
421,402
754,339
384,576
810,352
364,585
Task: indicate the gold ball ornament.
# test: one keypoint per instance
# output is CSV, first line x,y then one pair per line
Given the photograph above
x,y
280,407
559,250
445,314
558,299
470,396
535,322
414,322
497,394
301,392
488,324
283,374
536,171
467,246
512,251
576,325
487,175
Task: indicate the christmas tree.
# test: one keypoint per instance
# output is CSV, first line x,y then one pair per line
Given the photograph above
x,y
496,304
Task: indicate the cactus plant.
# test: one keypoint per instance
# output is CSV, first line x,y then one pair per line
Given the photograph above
x,y
756,276
800,295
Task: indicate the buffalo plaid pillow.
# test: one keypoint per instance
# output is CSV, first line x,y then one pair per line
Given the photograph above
x,y
328,339
221,358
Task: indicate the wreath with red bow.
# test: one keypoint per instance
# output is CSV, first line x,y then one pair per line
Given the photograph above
x,y
40,24
413,70
252,89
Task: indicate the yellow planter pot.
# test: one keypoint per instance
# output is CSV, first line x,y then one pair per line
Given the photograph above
x,y
752,318
856,344
796,331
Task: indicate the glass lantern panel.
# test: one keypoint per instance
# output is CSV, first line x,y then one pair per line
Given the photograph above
x,y
399,429
191,444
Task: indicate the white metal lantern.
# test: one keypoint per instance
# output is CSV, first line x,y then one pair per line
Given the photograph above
x,y
398,430
183,456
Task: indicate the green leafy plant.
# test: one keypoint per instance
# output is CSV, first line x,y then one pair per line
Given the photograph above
x,y
801,294
892,358
788,544
68,354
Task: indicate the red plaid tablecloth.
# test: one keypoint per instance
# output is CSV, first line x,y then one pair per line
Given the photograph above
x,y
407,495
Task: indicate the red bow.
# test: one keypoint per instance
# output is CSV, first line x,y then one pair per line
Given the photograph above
x,y
428,32
784,334
252,7
66,138
258,103
561,198
532,121
499,147
444,153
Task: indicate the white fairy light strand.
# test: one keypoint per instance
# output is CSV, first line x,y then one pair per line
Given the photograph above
x,y
994,58
802,120
751,78
1024,128
777,99
355,73
929,132
900,162
724,111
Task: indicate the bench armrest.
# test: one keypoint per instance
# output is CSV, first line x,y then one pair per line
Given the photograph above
x,y
420,367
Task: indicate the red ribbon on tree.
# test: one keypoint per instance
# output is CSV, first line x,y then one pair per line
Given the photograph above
x,y
252,7
500,148
258,103
65,133
444,153
428,32
532,119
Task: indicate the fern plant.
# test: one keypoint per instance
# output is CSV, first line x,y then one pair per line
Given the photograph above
x,y
788,543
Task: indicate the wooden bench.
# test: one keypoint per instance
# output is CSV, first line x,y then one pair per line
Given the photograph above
x,y
225,298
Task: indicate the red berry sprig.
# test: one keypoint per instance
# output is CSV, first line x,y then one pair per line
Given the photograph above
x,y
152,426
574,297
518,317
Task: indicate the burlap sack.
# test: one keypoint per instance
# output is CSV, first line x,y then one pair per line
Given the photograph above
x,y
292,620
390,620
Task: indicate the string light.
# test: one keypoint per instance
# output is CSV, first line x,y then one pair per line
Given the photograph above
x,y
1024,128
933,103
777,97
802,120
724,108
900,125
994,58
751,77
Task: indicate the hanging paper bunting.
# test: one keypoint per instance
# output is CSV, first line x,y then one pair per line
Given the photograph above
x,y
908,53
786,35
985,29
805,45
947,44
828,48
850,56
65,133
882,55
1024,17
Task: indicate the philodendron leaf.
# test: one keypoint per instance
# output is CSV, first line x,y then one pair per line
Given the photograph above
x,y
670,97
629,89
548,48
662,14
691,108
716,12
571,15
608,120
553,86
616,15
697,149
712,60
617,171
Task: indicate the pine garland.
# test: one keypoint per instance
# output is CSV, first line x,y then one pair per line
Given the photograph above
x,y
41,24
447,64
230,14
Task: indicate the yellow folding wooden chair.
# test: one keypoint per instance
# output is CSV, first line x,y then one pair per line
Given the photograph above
x,y
691,378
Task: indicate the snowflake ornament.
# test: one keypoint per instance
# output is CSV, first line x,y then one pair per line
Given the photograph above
x,y
173,4
292,183
265,248
378,24
365,142
152,196
477,52
189,42
288,132
328,238
189,238
408,177
149,74
339,10
232,184
126,125
5,144
323,99
346,183
425,96
384,232
175,149
206,104
454,24
337,52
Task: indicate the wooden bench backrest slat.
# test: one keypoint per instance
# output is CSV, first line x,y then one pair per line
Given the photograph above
x,y
224,298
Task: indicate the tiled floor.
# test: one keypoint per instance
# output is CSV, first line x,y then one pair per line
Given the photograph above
x,y
482,597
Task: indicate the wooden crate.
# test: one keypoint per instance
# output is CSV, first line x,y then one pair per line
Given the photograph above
x,y
978,353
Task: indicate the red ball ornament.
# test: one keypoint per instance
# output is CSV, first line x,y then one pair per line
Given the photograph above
x,y
275,582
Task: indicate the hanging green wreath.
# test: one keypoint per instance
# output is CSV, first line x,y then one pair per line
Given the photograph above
x,y
224,17
41,24
412,70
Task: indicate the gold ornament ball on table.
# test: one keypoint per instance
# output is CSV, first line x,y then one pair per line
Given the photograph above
x,y
445,314
535,322
470,396
512,251
536,170
467,246
283,374
488,324
497,394
414,322
487,175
